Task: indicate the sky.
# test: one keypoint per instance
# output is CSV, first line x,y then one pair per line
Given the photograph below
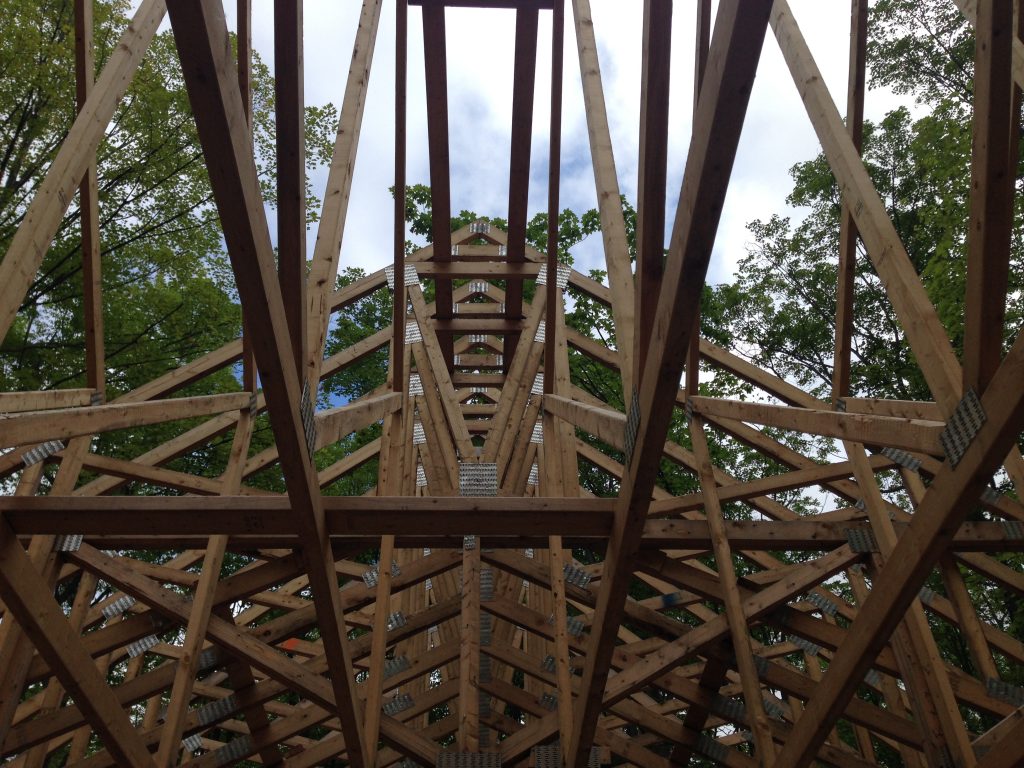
x,y
777,132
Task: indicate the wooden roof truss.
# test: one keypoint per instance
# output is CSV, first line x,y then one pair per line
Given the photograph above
x,y
478,633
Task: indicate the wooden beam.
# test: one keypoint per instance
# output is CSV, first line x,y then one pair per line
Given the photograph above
x,y
55,192
16,402
735,51
88,195
603,423
398,307
737,620
201,34
952,494
62,423
554,304
887,431
42,620
918,318
336,423
848,228
652,181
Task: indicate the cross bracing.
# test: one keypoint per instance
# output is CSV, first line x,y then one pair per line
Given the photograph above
x,y
500,616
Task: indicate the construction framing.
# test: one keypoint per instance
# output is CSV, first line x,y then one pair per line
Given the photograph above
x,y
478,638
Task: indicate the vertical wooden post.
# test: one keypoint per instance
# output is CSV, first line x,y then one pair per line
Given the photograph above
x,y
554,176
291,171
700,64
733,600
92,276
992,194
399,308
523,78
435,60
651,184
244,55
469,651
847,227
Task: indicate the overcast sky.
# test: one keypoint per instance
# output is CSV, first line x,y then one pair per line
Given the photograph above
x,y
777,133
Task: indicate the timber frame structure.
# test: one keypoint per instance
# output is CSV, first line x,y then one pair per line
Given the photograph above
x,y
479,640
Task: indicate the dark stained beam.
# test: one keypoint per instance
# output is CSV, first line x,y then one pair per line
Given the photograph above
x,y
291,170
992,192
553,301
210,76
435,62
398,257
732,62
651,185
848,228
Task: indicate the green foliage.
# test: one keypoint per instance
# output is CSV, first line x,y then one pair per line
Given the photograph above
x,y
168,288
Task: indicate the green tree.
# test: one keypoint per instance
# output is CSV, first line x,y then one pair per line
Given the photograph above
x,y
168,289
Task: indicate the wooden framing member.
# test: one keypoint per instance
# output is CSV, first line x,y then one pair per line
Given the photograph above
x,y
25,595
289,111
88,195
952,494
887,431
327,250
613,226
523,78
399,309
996,128
735,50
650,219
35,233
847,227
201,34
553,299
63,423
281,673
740,635
435,61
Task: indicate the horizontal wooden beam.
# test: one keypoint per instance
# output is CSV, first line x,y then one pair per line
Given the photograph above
x,y
344,516
16,402
888,431
464,270
488,4
61,423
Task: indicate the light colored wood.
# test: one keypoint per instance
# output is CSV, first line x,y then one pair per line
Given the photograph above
x,y
737,621
61,423
731,66
24,594
30,243
605,424
952,493
333,216
16,402
201,36
613,228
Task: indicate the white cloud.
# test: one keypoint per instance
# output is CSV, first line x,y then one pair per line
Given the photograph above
x,y
777,133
